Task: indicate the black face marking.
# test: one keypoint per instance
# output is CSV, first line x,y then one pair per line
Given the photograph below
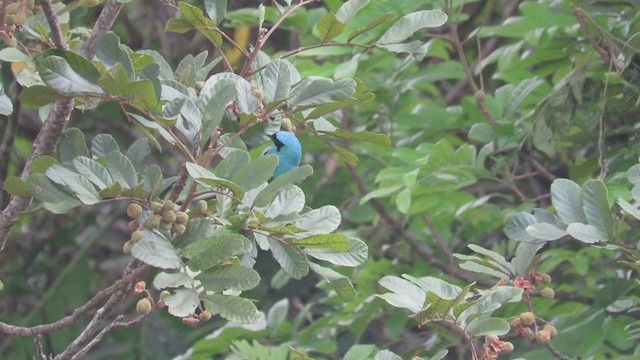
x,y
278,143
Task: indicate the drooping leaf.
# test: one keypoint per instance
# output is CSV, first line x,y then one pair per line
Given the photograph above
x,y
341,283
39,95
411,23
349,9
121,169
290,257
72,145
314,90
271,191
209,252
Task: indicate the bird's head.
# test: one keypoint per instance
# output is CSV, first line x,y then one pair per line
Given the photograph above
x,y
287,143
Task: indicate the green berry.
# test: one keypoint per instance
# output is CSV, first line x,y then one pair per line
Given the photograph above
x,y
179,229
182,217
551,329
508,347
169,216
527,318
165,226
205,315
168,205
126,248
136,236
202,207
134,210
152,222
156,207
548,293
143,307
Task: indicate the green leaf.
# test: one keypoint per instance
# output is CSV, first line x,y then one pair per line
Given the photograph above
x,y
596,207
349,9
179,26
545,231
525,252
13,185
339,243
403,201
156,126
42,163
586,233
233,163
482,132
72,145
290,257
110,52
411,23
633,174
359,351
345,154
229,277
382,192
387,355
366,136
121,169
144,94
76,183
314,90
216,9
341,283
209,252
404,294
220,95
489,326
256,173
156,250
38,95
355,256
269,193
322,220
497,258
55,198
204,25
278,313
630,209
206,177
172,280
329,27
57,73
232,308
139,153
567,200
103,144
93,171
183,302
277,80
415,48
372,25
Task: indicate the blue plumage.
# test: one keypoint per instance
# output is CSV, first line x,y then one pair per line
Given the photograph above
x,y
288,150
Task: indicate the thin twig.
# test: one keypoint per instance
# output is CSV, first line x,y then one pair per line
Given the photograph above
x,y
556,352
105,21
52,18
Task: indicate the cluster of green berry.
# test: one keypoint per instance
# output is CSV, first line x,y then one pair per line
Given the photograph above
x,y
164,217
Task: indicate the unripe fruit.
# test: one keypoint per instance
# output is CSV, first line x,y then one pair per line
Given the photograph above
x,y
133,210
543,336
548,293
152,222
546,278
258,93
136,236
143,307
156,207
508,347
168,205
202,207
12,8
179,229
551,329
164,294
166,226
199,85
169,216
133,225
126,248
182,217
20,18
205,315
527,318
9,20
515,323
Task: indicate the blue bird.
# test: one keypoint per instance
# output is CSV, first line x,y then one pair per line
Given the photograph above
x,y
288,150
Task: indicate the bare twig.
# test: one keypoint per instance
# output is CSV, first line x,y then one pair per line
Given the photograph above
x,y
604,55
56,32
105,21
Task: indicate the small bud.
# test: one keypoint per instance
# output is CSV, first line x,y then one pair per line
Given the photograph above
x,y
527,318
546,278
258,93
507,347
529,333
489,339
156,207
136,236
1,285
202,207
20,18
182,217
164,294
548,293
169,216
166,226
179,229
168,205
133,210
515,323
133,225
140,287
126,248
551,329
143,307
152,222
191,321
199,86
205,315
543,336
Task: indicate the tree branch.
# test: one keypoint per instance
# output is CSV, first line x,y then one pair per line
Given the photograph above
x,y
105,21
52,18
